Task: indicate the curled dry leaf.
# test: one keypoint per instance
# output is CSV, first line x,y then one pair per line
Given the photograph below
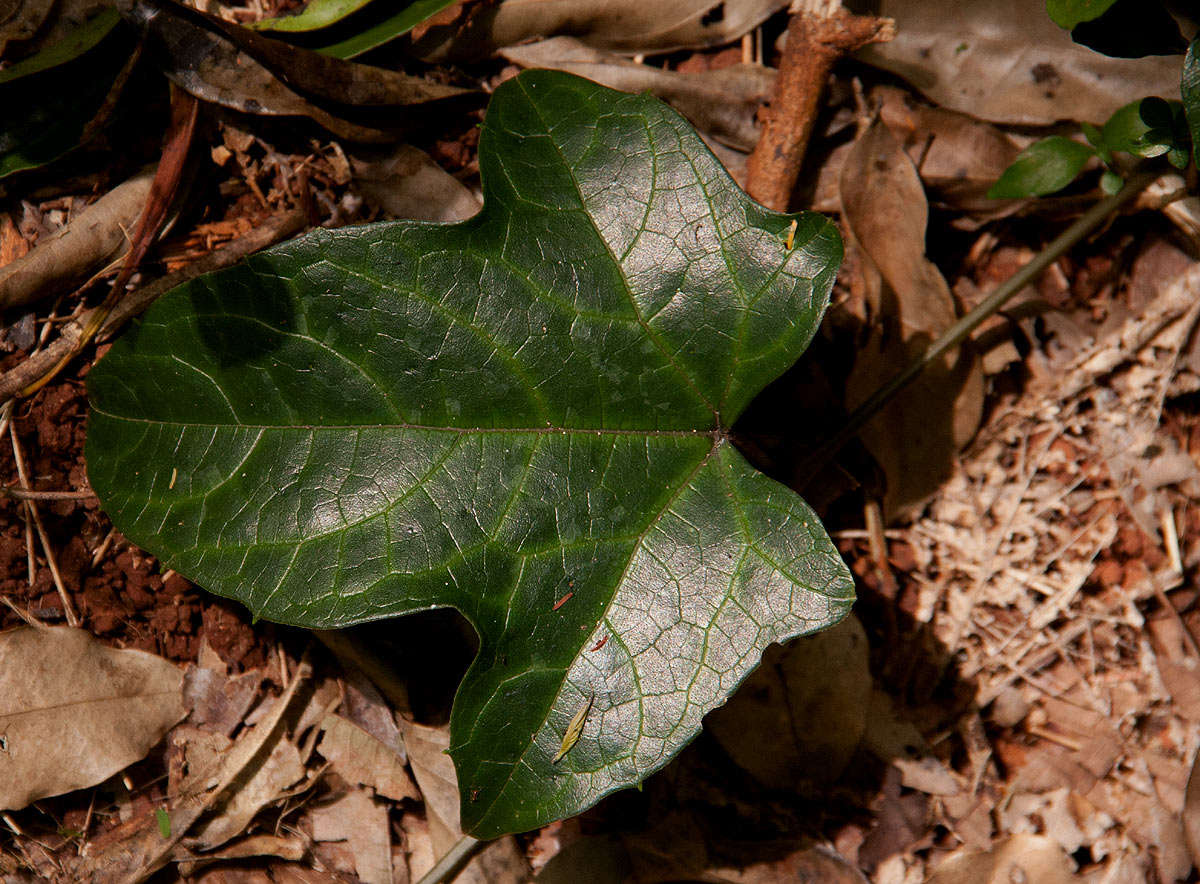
x,y
916,436
92,238
74,712
723,103
434,772
1009,63
621,25
221,769
243,70
406,183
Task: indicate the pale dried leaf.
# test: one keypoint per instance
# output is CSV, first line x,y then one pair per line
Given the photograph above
x,y
1009,63
916,436
367,708
362,823
215,700
434,771
811,864
141,851
723,103
97,235
364,760
1191,812
259,784
629,26
958,157
406,183
1022,857
74,712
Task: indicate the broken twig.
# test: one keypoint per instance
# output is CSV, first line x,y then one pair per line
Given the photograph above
x,y
819,33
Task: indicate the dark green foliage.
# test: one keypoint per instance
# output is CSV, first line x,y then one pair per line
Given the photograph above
x,y
524,417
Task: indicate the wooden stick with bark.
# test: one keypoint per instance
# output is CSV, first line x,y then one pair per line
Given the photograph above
x,y
819,33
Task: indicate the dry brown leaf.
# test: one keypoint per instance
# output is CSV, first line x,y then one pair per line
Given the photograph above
x,y
1191,812
1009,63
74,712
361,822
259,784
366,707
893,738
723,103
434,771
812,864
808,701
501,860
958,157
216,701
364,760
1031,858
135,855
406,183
68,256
290,848
621,25
916,436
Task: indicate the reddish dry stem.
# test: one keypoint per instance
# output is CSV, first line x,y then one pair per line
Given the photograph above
x,y
562,601
598,645
814,43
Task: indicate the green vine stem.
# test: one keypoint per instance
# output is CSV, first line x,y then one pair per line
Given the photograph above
x,y
955,334
446,867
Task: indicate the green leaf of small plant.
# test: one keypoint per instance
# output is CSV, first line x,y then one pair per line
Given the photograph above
x,y
164,822
316,15
61,99
1149,127
1189,88
1111,182
524,416
75,44
1044,167
1068,13
387,29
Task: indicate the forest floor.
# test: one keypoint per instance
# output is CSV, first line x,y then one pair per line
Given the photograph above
x,y
1017,688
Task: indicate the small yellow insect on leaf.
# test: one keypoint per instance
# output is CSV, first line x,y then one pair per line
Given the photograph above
x,y
791,236
574,729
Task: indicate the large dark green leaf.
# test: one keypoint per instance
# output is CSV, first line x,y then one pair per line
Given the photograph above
x,y
523,416
1189,88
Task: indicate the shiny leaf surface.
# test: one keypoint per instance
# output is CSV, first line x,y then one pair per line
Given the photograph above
x,y
523,416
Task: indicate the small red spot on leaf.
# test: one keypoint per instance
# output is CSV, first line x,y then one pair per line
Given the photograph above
x,y
598,645
562,601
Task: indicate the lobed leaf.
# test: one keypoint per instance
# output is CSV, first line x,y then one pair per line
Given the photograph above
x,y
524,416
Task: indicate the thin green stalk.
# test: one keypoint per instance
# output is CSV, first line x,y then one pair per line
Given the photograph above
x,y
957,333
446,867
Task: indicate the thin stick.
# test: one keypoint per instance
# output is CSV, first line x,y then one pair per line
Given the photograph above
x,y
445,867
31,372
25,494
957,333
68,610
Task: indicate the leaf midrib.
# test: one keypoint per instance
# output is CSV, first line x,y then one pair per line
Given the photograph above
x,y
717,434
651,334
640,538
